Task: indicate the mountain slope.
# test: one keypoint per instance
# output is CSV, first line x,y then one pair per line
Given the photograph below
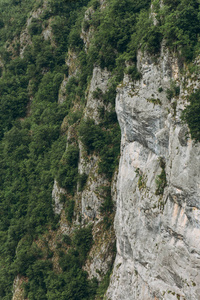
x,y
67,168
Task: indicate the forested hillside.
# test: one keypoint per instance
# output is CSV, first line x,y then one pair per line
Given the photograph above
x,y
43,43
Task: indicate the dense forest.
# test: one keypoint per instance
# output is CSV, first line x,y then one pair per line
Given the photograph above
x,y
32,140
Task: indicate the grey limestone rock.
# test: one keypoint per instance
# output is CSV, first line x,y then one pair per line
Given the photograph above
x,y
158,234
57,192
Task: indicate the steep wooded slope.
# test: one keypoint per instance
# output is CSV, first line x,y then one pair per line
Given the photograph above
x,y
64,65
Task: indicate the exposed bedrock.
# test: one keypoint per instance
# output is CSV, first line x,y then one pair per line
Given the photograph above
x,y
157,221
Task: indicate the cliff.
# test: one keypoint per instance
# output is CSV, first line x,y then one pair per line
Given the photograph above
x,y
100,150
157,217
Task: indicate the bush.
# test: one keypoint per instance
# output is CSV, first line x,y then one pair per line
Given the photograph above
x,y
103,286
86,25
68,168
181,31
110,95
69,211
95,4
117,24
133,72
83,240
97,94
73,117
74,38
66,239
174,91
191,115
107,205
82,179
161,180
91,135
35,27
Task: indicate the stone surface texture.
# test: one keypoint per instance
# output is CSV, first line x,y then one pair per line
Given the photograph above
x,y
158,235
18,292
100,81
57,193
91,197
101,254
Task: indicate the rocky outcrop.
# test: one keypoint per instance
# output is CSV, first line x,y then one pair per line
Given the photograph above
x,y
18,291
99,82
88,200
101,255
87,30
25,38
56,195
91,198
157,219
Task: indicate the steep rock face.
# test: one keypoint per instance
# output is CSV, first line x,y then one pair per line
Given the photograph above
x,y
157,219
56,194
87,31
92,197
89,199
100,81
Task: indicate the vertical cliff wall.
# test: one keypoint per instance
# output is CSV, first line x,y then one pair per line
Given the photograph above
x,y
157,220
